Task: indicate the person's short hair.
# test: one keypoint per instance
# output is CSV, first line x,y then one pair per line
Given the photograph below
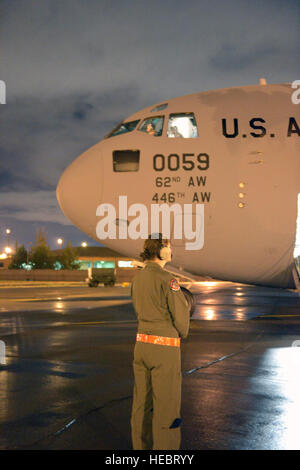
x,y
152,246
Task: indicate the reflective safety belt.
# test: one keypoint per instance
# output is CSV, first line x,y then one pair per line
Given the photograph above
x,y
162,340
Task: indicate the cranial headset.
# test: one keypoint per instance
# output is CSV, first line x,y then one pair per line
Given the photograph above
x,y
165,253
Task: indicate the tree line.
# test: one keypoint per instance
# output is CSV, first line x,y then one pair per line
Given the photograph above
x,y
41,257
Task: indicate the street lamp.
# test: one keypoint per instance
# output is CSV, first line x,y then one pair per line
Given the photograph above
x,y
8,231
84,244
59,241
7,250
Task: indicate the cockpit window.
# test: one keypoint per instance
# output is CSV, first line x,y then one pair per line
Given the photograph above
x,y
182,125
159,107
153,126
123,128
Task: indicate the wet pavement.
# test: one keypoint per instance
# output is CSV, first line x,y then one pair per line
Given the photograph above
x,y
67,382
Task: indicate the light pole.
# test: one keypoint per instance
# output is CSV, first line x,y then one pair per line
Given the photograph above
x,y
8,234
60,241
28,252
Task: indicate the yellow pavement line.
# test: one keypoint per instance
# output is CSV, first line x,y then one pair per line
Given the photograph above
x,y
64,284
26,299
56,325
103,321
30,300
54,284
36,299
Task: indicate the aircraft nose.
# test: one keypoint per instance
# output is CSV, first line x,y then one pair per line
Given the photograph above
x,y
79,190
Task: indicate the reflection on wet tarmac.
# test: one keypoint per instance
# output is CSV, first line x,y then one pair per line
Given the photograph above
x,y
229,301
209,314
215,300
287,367
278,376
70,352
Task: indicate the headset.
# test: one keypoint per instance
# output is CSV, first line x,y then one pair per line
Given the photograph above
x,y
165,252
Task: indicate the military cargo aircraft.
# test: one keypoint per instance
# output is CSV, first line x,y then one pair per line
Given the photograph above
x,y
224,165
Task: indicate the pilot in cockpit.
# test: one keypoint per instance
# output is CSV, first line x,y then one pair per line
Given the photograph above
x,y
173,132
150,129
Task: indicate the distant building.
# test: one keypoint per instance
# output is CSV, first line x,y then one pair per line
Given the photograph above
x,y
100,257
5,262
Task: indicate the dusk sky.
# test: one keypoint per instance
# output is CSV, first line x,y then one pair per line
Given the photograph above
x,y
75,68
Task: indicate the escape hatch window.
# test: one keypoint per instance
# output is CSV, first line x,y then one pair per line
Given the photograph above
x,y
152,126
123,128
182,125
159,107
126,160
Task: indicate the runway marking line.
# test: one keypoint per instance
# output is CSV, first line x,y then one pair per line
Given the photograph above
x,y
227,356
101,322
59,300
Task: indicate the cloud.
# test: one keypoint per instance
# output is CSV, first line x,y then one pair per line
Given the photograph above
x,y
38,206
40,137
75,69
59,48
230,57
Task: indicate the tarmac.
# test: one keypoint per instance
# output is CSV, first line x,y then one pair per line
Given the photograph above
x,y
67,380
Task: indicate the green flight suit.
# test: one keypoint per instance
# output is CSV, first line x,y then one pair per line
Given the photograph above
x,y
162,310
